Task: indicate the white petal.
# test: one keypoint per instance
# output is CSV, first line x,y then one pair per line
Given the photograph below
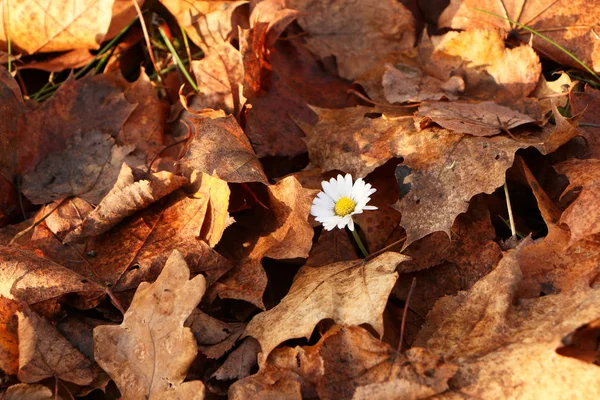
x,y
351,224
369,208
341,184
342,223
324,201
331,190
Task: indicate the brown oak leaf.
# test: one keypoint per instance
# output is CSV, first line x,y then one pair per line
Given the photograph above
x,y
148,355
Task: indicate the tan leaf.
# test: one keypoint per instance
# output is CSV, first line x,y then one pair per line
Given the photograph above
x,y
350,292
148,355
567,23
34,391
377,370
220,148
493,340
214,337
45,353
35,280
58,26
218,75
477,119
357,34
588,104
490,68
240,362
208,23
580,215
126,197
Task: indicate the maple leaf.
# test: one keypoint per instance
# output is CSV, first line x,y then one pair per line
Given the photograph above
x,y
567,23
350,292
61,26
149,353
357,34
492,340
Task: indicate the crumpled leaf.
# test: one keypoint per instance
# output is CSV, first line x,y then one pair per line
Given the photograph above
x,y
126,197
214,337
350,292
493,340
280,232
207,23
376,369
358,34
48,26
220,148
580,215
34,391
45,353
87,167
477,119
588,104
148,355
240,362
347,363
567,23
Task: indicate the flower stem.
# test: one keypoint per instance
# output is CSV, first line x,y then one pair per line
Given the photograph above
x,y
360,244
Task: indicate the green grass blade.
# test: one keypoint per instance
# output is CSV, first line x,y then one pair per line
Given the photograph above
x,y
177,59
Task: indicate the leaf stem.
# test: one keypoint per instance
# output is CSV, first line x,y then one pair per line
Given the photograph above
x,y
513,229
360,244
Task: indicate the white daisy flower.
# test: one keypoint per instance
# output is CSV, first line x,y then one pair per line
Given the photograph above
x,y
340,200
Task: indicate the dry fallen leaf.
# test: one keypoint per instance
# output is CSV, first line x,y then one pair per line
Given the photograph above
x,y
568,23
208,23
357,34
152,334
477,119
9,338
126,197
45,353
220,148
505,349
57,25
349,292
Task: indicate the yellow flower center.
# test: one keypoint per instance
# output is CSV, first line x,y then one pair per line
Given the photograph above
x,y
344,206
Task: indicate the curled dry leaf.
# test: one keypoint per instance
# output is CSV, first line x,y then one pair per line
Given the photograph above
x,y
477,119
45,353
34,391
347,363
512,344
350,292
208,23
358,34
126,197
214,337
240,362
280,232
581,216
377,370
148,355
567,23
58,26
220,148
